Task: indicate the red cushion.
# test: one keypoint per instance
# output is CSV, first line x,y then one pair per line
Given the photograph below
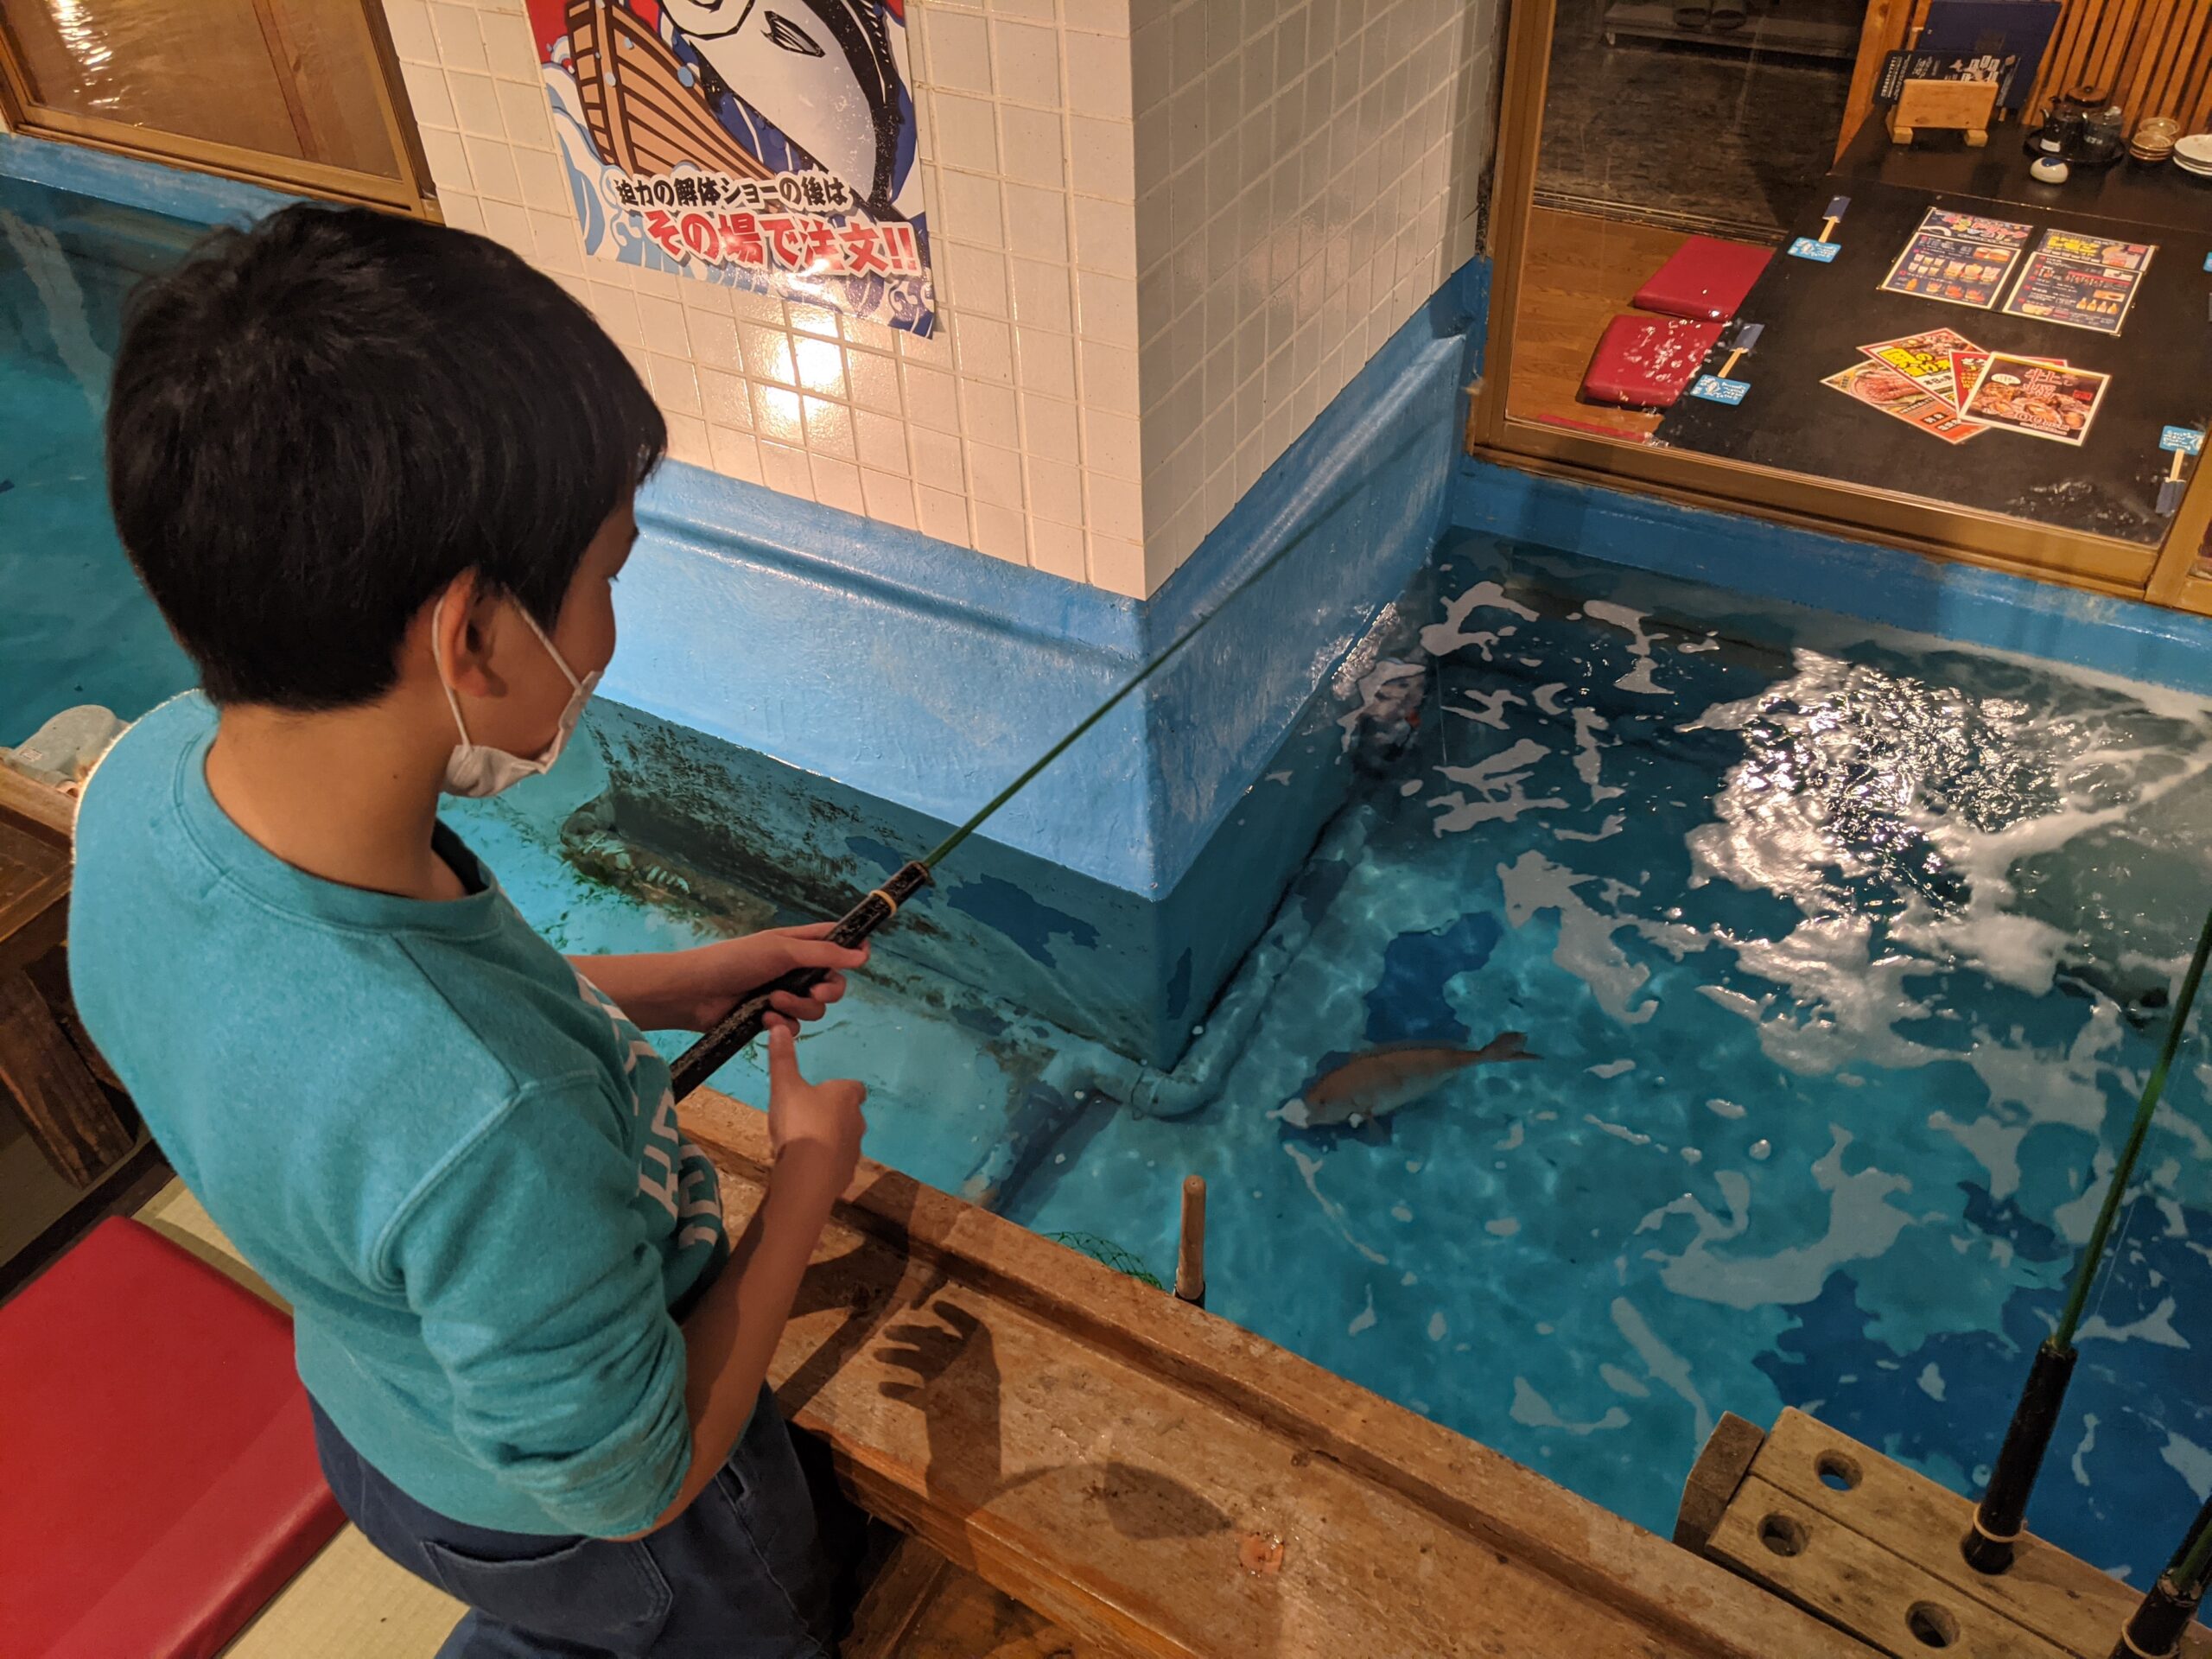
x,y
1706,279
1646,362
161,1479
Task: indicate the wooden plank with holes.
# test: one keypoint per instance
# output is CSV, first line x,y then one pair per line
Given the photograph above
x,y
2063,1600
1155,1481
1888,1600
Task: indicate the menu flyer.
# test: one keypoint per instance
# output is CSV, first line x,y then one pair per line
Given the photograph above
x,y
2042,399
1883,388
1927,359
2081,281
1958,259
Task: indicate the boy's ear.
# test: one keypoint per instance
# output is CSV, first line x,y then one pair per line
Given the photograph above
x,y
458,626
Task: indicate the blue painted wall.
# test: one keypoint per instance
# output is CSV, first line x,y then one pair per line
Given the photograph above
x,y
1990,608
756,630
202,197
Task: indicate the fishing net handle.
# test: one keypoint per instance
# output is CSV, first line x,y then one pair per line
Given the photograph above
x,y
745,1021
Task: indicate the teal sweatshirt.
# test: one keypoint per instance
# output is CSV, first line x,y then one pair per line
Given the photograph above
x,y
450,1153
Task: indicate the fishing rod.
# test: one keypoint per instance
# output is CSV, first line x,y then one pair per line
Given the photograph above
x,y
745,1022
1989,1546
2162,1616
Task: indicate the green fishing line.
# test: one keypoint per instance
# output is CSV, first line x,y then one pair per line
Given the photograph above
x,y
930,859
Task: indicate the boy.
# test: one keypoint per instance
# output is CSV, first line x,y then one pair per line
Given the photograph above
x,y
378,477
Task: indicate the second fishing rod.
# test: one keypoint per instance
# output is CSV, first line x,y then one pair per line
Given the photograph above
x,y
2001,1517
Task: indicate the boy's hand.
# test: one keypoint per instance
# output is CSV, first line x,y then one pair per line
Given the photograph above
x,y
709,982
819,1121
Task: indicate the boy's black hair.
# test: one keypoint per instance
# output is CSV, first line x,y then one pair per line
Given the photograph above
x,y
318,423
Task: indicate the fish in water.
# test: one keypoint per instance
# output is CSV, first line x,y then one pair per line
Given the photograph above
x,y
1369,1087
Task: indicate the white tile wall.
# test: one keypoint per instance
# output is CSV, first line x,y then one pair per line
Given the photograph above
x,y
1308,175
1013,428
1166,234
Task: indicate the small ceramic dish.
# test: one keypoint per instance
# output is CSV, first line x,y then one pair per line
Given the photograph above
x,y
2195,151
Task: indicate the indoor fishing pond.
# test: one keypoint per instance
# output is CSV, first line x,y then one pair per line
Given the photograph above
x,y
1695,1005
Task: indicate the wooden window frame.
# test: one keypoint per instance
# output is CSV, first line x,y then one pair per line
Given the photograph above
x,y
410,193
2166,574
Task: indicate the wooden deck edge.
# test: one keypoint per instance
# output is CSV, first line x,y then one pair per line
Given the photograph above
x,y
53,810
1715,1477
1597,1554
1853,1536
895,1600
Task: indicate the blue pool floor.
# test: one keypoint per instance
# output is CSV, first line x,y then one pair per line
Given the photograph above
x,y
1840,950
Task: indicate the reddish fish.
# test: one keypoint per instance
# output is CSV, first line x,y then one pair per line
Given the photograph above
x,y
1370,1086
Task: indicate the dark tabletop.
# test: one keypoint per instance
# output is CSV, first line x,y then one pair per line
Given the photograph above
x,y
1817,316
2163,196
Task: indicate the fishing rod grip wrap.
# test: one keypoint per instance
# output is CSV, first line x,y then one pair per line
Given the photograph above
x,y
1997,1519
744,1021
2160,1622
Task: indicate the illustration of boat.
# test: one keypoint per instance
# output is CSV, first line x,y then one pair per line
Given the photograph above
x,y
643,118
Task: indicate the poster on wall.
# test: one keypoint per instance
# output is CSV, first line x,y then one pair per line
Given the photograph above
x,y
737,143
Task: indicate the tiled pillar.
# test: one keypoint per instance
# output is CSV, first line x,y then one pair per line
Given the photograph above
x,y
1166,234
1308,174
1012,430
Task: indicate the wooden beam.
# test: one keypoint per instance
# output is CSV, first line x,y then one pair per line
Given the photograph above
x,y
1887,25
1715,1477
920,1607
284,62
64,1110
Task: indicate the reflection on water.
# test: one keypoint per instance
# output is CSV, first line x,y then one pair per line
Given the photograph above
x,y
1846,955
81,35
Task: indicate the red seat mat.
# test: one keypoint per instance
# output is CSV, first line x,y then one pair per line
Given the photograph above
x,y
1706,279
160,1477
1646,362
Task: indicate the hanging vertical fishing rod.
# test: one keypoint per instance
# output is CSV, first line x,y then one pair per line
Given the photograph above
x,y
2162,1616
745,1022
1989,1546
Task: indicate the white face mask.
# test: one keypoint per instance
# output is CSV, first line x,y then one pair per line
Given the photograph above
x,y
477,770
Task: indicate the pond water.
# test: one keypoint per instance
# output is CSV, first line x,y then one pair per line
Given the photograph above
x,y
1842,955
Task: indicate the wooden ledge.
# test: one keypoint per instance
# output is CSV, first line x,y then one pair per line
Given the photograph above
x,y
1838,1527
1157,1481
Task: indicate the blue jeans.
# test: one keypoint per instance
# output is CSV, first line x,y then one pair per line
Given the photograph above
x,y
751,1570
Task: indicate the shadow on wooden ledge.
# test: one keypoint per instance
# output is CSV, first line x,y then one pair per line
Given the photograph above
x,y
1152,1480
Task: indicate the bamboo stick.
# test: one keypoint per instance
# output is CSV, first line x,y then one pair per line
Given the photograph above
x,y
1190,1250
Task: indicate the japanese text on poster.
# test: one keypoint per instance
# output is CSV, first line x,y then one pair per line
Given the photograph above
x,y
1960,259
744,146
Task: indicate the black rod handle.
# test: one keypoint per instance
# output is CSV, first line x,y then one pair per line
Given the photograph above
x,y
744,1021
1997,1520
2160,1622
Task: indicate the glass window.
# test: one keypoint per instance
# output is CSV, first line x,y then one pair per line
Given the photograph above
x,y
293,81
1936,270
